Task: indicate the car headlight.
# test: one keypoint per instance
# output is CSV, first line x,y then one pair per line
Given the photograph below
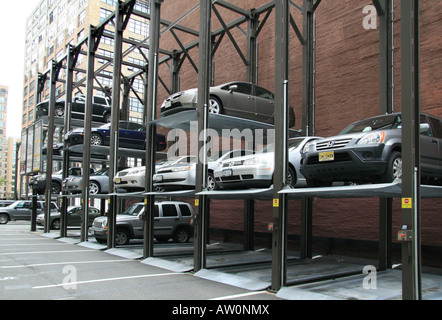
x,y
309,147
372,138
104,224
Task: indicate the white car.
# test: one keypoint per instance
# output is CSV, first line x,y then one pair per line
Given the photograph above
x,y
256,171
182,175
134,179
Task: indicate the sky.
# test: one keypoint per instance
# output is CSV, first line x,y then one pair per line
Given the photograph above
x,y
13,15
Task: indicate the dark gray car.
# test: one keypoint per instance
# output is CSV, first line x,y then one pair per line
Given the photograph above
x,y
370,151
173,219
22,210
238,99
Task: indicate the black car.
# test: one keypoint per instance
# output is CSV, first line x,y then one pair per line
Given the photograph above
x,y
370,151
131,135
101,111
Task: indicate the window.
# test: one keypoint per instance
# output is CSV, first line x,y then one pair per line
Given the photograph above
x,y
169,210
437,127
138,27
185,211
104,14
81,17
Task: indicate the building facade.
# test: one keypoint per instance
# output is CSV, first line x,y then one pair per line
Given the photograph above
x,y
7,151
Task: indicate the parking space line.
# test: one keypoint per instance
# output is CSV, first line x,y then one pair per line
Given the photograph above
x,y
242,295
65,263
44,252
107,279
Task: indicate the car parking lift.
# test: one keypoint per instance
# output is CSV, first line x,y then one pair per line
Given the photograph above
x,y
207,43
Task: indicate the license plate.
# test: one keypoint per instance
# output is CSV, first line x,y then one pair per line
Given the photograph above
x,y
227,173
117,180
158,178
327,156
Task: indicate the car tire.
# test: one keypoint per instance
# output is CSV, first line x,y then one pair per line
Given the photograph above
x,y
107,118
122,237
215,106
4,218
211,182
182,235
96,139
55,188
59,111
55,225
291,179
394,168
94,187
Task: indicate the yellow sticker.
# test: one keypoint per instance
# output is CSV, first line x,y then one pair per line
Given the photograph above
x,y
407,203
197,202
276,203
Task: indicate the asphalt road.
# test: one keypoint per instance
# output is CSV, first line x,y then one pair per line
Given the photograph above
x,y
34,267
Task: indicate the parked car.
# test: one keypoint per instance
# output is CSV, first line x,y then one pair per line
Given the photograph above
x,y
38,182
101,111
134,179
98,182
57,149
5,203
22,210
173,219
182,175
131,135
370,151
75,217
238,99
255,171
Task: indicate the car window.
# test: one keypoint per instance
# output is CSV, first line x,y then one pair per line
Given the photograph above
x,y
134,209
156,212
27,205
437,127
185,211
169,210
99,100
136,127
392,121
263,93
75,171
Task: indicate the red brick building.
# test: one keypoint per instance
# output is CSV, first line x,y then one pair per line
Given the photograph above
x,y
347,89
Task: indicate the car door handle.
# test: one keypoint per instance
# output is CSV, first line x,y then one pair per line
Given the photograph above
x,y
434,141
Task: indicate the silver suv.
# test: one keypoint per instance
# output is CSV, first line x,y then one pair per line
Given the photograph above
x,y
370,151
173,219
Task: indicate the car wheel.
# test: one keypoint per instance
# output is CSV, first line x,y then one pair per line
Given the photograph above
x,y
4,218
394,169
55,188
122,237
107,118
94,187
211,182
59,111
291,178
215,106
182,235
96,139
55,224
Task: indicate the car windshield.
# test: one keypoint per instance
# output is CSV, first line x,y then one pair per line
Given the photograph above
x,y
101,172
134,209
387,122
293,143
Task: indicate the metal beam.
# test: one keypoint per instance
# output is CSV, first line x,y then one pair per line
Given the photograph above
x,y
411,251
150,112
202,202
279,236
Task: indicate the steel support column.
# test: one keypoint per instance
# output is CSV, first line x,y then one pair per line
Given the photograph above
x,y
411,256
279,236
150,115
55,70
308,116
115,118
71,61
92,47
385,12
202,202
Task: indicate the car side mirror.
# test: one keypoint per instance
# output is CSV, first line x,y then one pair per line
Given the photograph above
x,y
233,87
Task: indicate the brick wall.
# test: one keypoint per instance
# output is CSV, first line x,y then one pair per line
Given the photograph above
x,y
347,89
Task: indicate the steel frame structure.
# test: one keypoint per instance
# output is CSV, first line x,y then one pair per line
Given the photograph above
x,y
208,41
